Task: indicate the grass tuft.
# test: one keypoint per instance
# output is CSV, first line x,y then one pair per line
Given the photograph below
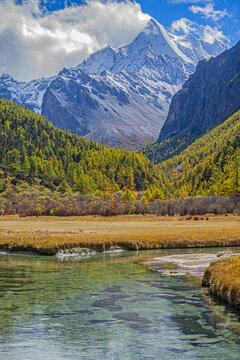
x,y
223,280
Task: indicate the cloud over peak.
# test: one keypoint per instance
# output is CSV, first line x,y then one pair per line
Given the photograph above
x,y
208,12
204,32
36,44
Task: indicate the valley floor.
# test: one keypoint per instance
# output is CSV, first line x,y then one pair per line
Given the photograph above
x,y
46,235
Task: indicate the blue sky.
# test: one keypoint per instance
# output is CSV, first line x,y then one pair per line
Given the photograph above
x,y
40,37
167,11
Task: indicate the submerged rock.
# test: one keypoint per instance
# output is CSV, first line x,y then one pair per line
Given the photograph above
x,y
76,251
194,264
114,250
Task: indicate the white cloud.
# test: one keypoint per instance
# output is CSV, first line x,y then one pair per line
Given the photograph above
x,y
182,25
206,33
208,12
35,44
31,5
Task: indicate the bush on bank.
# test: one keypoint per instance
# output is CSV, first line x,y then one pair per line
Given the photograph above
x,y
68,204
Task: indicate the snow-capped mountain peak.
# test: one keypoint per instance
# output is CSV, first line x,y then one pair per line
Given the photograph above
x,y
117,96
152,27
152,42
159,40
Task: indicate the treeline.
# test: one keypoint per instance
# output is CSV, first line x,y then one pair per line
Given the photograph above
x,y
32,150
119,204
209,166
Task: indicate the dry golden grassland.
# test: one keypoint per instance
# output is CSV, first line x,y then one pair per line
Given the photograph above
x,y
223,280
48,234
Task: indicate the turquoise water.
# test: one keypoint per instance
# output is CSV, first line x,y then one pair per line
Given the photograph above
x,y
108,307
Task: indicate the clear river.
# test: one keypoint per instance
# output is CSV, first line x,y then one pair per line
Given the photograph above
x,y
109,307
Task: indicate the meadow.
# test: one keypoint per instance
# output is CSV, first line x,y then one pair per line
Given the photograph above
x,y
48,234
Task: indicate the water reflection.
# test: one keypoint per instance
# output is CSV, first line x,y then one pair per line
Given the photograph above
x,y
108,307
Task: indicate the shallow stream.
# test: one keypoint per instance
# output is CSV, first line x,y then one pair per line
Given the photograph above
x,y
109,307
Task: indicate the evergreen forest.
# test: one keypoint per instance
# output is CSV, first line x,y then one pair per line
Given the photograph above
x,y
36,155
33,151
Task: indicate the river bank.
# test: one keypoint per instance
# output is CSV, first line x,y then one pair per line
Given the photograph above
x,y
223,280
49,235
219,271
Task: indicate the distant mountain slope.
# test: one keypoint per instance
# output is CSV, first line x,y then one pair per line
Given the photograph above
x,y
208,98
116,109
29,94
32,149
118,96
211,165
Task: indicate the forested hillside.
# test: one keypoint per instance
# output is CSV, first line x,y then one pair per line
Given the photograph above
x,y
33,150
211,165
168,148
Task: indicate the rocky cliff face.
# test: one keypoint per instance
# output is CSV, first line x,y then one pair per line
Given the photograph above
x,y
208,98
117,96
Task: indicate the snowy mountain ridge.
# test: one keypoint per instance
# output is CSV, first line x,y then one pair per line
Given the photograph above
x,y
29,93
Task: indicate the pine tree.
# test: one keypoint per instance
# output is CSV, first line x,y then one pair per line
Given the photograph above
x,y
63,187
130,180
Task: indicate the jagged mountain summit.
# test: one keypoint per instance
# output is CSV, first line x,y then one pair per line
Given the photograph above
x,y
117,96
153,42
